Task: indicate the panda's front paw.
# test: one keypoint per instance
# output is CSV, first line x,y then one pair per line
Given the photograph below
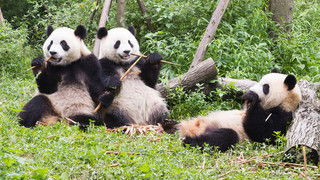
x,y
37,62
106,98
112,84
154,58
251,97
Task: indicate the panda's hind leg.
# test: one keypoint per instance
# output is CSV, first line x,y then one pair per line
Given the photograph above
x,y
38,109
85,119
160,116
222,138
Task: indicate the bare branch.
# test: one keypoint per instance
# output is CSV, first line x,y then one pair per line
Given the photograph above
x,y
102,23
1,18
121,5
210,32
143,10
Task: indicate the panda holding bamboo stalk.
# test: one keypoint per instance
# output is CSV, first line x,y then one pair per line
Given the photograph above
x,y
69,81
132,98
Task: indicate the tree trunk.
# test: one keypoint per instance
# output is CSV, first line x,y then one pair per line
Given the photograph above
x,y
1,18
121,5
305,130
210,32
202,72
282,11
143,10
102,23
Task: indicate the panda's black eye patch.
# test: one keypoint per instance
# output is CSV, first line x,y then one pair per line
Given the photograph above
x,y
117,44
64,45
266,88
130,43
50,45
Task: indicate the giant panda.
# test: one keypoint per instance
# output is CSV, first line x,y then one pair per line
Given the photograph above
x,y
69,83
269,105
134,100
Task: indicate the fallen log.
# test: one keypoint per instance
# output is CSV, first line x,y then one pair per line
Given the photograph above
x,y
201,73
305,129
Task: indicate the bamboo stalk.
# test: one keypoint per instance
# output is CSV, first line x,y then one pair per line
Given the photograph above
x,y
304,157
48,59
163,61
97,108
127,72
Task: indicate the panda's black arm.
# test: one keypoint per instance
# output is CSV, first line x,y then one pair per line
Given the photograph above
x,y
111,81
91,66
47,76
150,69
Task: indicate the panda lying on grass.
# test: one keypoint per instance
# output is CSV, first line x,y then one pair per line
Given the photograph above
x,y
268,107
134,100
69,83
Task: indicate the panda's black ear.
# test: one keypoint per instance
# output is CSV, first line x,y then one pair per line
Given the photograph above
x,y
132,30
290,81
49,30
81,32
102,32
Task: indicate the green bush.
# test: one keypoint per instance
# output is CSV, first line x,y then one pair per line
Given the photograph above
x,y
14,51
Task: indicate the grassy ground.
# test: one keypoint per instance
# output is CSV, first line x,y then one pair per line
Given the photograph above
x,y
62,151
242,49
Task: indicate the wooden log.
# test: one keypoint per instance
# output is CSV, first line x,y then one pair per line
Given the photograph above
x,y
202,72
102,23
121,5
144,12
305,129
242,84
210,32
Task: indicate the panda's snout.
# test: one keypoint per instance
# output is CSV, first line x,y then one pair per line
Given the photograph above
x,y
127,52
52,53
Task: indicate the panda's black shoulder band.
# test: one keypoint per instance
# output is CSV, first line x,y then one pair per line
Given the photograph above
x,y
102,32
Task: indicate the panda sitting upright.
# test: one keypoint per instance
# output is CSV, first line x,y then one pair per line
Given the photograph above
x,y
133,100
268,107
69,83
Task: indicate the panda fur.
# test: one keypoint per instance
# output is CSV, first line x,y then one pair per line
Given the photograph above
x,y
69,84
269,105
135,99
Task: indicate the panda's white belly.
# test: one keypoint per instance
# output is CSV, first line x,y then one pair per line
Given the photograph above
x,y
229,119
71,99
137,100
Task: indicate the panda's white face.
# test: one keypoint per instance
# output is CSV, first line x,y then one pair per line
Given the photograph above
x,y
63,46
118,45
276,89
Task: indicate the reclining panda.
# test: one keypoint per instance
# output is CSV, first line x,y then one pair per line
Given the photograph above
x,y
269,106
69,83
135,99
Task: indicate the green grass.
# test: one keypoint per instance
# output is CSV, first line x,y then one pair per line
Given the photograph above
x,y
61,151
242,49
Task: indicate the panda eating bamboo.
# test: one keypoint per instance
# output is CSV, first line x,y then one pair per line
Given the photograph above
x,y
133,100
69,83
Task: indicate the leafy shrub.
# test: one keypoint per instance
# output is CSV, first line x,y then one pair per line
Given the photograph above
x,y
14,52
